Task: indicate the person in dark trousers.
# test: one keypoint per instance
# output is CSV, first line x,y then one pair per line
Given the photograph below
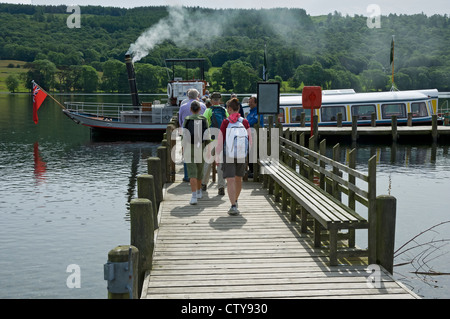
x,y
194,127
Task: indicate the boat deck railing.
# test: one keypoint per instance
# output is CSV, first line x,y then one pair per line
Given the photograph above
x,y
115,111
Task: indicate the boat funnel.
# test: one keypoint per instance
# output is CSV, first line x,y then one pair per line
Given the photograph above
x,y
132,81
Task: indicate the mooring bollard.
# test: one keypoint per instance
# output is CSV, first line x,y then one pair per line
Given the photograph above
x,y
385,235
161,151
394,128
146,189
154,169
142,234
434,129
354,128
121,272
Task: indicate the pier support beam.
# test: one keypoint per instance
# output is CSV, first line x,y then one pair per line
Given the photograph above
x,y
142,234
146,189
154,169
385,224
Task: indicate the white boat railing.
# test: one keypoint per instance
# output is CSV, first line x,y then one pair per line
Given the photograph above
x,y
124,112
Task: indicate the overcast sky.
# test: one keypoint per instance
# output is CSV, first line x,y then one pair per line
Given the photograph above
x,y
312,7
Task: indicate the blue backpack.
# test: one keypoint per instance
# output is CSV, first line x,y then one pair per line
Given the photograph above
x,y
217,116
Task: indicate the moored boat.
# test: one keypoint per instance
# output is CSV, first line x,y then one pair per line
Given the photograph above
x,y
421,104
138,117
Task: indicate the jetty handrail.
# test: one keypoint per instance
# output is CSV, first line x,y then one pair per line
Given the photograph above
x,y
322,158
348,187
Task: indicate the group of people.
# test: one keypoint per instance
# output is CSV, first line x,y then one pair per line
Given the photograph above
x,y
225,134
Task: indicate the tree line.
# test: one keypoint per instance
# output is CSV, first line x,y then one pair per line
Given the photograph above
x,y
333,51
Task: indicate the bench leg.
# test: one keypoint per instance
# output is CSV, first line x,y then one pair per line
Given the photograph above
x,y
284,199
333,247
293,208
304,219
317,230
351,238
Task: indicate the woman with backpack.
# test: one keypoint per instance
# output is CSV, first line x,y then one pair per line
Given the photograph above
x,y
234,141
194,128
215,115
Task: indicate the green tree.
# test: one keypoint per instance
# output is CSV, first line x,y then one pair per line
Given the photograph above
x,y
12,83
88,79
43,72
147,78
111,75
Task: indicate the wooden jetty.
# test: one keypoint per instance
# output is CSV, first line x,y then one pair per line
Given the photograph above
x,y
393,132
201,252
268,251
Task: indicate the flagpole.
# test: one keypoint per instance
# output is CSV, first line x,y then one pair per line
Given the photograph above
x,y
57,102
393,48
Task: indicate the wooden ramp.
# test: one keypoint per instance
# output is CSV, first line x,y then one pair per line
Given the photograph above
x,y
202,252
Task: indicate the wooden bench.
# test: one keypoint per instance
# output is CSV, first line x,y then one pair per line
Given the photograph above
x,y
321,199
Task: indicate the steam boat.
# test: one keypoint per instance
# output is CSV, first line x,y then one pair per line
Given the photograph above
x,y
138,117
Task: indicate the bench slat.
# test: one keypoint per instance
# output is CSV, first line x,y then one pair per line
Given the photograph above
x,y
348,212
327,209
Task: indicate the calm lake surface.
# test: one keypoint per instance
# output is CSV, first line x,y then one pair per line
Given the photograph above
x,y
64,201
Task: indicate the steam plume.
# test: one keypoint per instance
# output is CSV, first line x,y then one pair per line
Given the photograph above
x,y
180,26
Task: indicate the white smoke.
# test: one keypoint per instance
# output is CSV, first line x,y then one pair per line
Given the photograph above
x,y
181,26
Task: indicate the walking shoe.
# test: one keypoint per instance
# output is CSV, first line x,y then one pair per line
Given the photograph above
x,y
221,191
233,211
199,194
193,200
204,187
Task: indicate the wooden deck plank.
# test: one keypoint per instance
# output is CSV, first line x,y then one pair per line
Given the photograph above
x,y
201,252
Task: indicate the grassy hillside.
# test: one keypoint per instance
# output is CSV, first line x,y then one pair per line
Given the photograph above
x,y
6,69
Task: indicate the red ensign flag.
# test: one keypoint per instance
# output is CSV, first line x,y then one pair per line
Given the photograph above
x,y
38,97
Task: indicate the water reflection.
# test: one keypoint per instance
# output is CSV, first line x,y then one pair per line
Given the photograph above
x,y
39,165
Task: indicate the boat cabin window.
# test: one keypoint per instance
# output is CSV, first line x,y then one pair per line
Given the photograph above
x,y
329,113
364,112
398,109
419,109
295,114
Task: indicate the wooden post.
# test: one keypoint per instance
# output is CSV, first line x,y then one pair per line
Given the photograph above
x,y
142,234
339,120
322,150
293,208
373,119
335,185
161,152
409,121
386,215
171,139
394,128
256,153
316,129
354,128
302,119
301,142
120,254
351,194
311,146
434,132
284,199
372,189
146,189
154,169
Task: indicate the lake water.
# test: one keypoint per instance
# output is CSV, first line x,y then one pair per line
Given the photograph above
x,y
64,201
